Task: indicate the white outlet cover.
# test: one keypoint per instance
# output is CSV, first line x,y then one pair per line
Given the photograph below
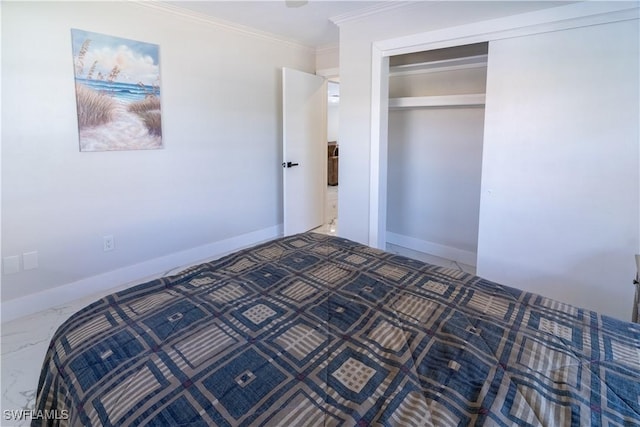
x,y
11,264
30,260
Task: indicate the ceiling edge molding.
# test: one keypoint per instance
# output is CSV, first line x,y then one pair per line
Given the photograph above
x,y
329,73
328,48
372,10
218,22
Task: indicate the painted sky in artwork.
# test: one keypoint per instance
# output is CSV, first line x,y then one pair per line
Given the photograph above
x,y
138,61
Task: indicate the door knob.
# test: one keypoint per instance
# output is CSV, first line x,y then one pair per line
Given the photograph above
x,y
289,164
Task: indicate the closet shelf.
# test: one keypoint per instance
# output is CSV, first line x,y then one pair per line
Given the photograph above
x,y
439,66
437,101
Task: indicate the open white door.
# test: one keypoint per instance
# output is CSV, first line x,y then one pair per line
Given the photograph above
x,y
304,98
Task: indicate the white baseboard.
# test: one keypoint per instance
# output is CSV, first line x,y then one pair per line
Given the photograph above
x,y
111,281
442,251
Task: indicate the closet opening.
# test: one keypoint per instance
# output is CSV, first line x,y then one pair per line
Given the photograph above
x,y
434,154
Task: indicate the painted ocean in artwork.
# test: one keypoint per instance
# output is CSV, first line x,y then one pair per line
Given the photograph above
x,y
117,92
123,92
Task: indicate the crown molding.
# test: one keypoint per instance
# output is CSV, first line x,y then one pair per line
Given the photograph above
x,y
328,48
221,23
356,15
331,74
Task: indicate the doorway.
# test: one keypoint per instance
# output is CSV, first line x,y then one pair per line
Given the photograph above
x,y
330,225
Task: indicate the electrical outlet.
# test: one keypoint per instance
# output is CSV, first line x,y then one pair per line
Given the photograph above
x,y
108,244
11,264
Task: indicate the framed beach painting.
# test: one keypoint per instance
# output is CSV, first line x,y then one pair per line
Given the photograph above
x,y
117,92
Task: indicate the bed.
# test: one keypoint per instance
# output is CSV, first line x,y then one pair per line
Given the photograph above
x,y
317,330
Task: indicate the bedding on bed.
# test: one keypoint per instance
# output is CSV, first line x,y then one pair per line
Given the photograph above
x,y
319,330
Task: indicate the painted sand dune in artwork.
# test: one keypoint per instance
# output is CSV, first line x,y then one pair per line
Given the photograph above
x,y
108,124
126,131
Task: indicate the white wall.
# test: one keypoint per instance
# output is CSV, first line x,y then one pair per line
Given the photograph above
x,y
593,268
333,110
433,184
560,205
333,118
328,60
217,178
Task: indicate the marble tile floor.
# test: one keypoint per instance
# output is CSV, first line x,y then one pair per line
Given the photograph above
x,y
24,341
431,259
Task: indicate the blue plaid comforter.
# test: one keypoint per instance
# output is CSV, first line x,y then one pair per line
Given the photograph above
x,y
318,330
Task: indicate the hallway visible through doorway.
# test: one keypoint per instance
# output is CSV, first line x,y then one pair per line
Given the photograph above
x,y
331,208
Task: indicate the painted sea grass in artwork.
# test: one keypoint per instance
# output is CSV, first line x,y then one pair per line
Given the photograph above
x,y
152,121
94,109
147,104
148,110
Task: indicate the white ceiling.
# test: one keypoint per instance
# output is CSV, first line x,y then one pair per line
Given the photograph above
x,y
308,24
